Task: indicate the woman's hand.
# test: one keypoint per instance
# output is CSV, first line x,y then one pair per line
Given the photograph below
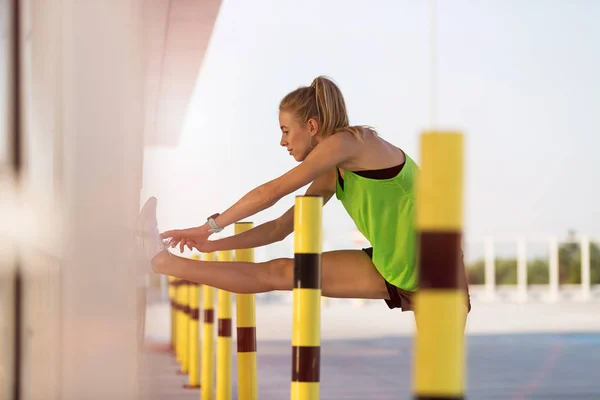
x,y
192,238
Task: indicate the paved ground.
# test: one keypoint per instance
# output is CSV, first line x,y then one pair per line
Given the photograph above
x,y
513,367
514,352
346,319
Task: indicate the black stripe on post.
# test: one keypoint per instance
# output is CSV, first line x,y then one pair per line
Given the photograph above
x,y
209,316
439,398
305,363
306,268
440,253
246,340
224,327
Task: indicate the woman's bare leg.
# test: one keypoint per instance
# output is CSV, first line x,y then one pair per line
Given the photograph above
x,y
344,274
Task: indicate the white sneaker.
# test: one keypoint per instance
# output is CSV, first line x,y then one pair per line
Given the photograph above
x,y
147,234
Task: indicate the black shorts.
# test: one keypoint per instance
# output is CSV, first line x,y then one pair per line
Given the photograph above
x,y
403,299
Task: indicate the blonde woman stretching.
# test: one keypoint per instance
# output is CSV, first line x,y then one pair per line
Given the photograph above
x,y
372,178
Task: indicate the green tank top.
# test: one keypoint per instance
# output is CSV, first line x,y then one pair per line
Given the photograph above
x,y
383,211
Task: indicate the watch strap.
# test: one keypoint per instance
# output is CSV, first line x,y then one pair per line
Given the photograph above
x,y
214,228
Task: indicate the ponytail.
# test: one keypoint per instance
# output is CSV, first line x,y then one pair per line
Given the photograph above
x,y
324,101
330,105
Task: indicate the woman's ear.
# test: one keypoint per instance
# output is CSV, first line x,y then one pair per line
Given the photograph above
x,y
313,126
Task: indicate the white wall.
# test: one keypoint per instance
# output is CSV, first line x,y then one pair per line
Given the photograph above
x,y
72,221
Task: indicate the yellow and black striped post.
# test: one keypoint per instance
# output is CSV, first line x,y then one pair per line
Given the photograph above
x,y
194,337
208,339
440,303
306,323
224,346
184,325
179,319
246,329
172,298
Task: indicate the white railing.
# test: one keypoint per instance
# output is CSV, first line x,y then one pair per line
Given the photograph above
x,y
490,291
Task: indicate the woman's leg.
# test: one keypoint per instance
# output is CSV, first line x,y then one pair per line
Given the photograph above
x,y
344,274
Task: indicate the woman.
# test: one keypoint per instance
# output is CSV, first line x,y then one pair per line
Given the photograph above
x,y
372,178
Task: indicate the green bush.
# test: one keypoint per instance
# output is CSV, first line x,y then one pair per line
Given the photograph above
x,y
569,260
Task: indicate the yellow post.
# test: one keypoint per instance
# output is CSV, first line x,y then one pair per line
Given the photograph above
x,y
224,353
440,303
208,339
184,325
179,319
246,330
173,299
194,334
306,322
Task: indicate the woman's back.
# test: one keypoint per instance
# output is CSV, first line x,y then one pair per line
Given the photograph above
x,y
376,153
380,201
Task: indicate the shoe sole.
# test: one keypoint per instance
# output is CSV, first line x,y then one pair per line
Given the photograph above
x,y
147,212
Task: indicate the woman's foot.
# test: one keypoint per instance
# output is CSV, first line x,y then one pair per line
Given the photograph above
x,y
160,260
148,236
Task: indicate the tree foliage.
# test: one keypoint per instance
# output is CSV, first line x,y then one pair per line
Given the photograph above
x,y
569,267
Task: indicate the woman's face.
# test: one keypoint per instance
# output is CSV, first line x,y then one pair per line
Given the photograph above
x,y
295,136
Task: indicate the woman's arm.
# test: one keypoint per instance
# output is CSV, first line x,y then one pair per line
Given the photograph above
x,y
334,150
261,235
277,229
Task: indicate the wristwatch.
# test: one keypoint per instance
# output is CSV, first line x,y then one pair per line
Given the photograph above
x,y
214,228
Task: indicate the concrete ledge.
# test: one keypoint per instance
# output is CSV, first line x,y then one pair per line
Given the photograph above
x,y
346,319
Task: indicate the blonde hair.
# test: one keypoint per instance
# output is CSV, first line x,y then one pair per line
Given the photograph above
x,y
323,101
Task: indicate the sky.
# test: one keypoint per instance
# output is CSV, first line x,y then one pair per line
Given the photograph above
x,y
519,79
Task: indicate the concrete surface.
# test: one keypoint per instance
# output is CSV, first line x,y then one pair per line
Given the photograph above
x,y
512,367
514,351
347,319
